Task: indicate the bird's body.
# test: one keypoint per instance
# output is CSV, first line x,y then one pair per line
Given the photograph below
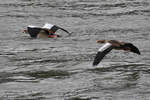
x,y
47,31
113,44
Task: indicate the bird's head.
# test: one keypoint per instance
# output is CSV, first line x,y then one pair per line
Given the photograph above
x,y
100,41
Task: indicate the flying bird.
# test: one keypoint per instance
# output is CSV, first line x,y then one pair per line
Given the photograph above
x,y
48,30
113,44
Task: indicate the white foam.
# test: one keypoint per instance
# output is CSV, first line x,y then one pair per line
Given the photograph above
x,y
104,47
48,26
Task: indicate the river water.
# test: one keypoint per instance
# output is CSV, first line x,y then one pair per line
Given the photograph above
x,y
61,69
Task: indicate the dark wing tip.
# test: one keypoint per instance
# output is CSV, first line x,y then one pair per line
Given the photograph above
x,y
99,56
138,52
95,64
63,29
101,53
134,49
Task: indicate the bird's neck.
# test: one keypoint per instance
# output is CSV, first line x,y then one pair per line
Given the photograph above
x,y
101,41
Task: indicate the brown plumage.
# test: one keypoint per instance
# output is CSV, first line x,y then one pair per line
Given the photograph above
x,y
42,34
113,44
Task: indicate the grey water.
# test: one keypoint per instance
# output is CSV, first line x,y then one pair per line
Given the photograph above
x,y
61,68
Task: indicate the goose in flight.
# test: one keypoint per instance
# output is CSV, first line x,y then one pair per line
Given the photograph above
x,y
47,31
113,44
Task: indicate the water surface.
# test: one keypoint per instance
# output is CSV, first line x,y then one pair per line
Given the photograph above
x,y
61,69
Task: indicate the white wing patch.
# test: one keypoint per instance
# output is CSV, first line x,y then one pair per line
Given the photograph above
x,y
32,26
48,26
104,47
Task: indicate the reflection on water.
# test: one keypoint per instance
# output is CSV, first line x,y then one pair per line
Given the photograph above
x,y
61,69
48,74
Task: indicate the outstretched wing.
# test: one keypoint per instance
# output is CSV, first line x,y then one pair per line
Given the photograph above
x,y
54,28
102,52
33,31
62,29
133,48
47,26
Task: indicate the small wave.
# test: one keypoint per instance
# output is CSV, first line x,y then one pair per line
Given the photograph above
x,y
125,4
114,30
100,6
19,15
31,96
49,74
132,12
13,77
7,53
124,68
5,77
16,5
82,98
